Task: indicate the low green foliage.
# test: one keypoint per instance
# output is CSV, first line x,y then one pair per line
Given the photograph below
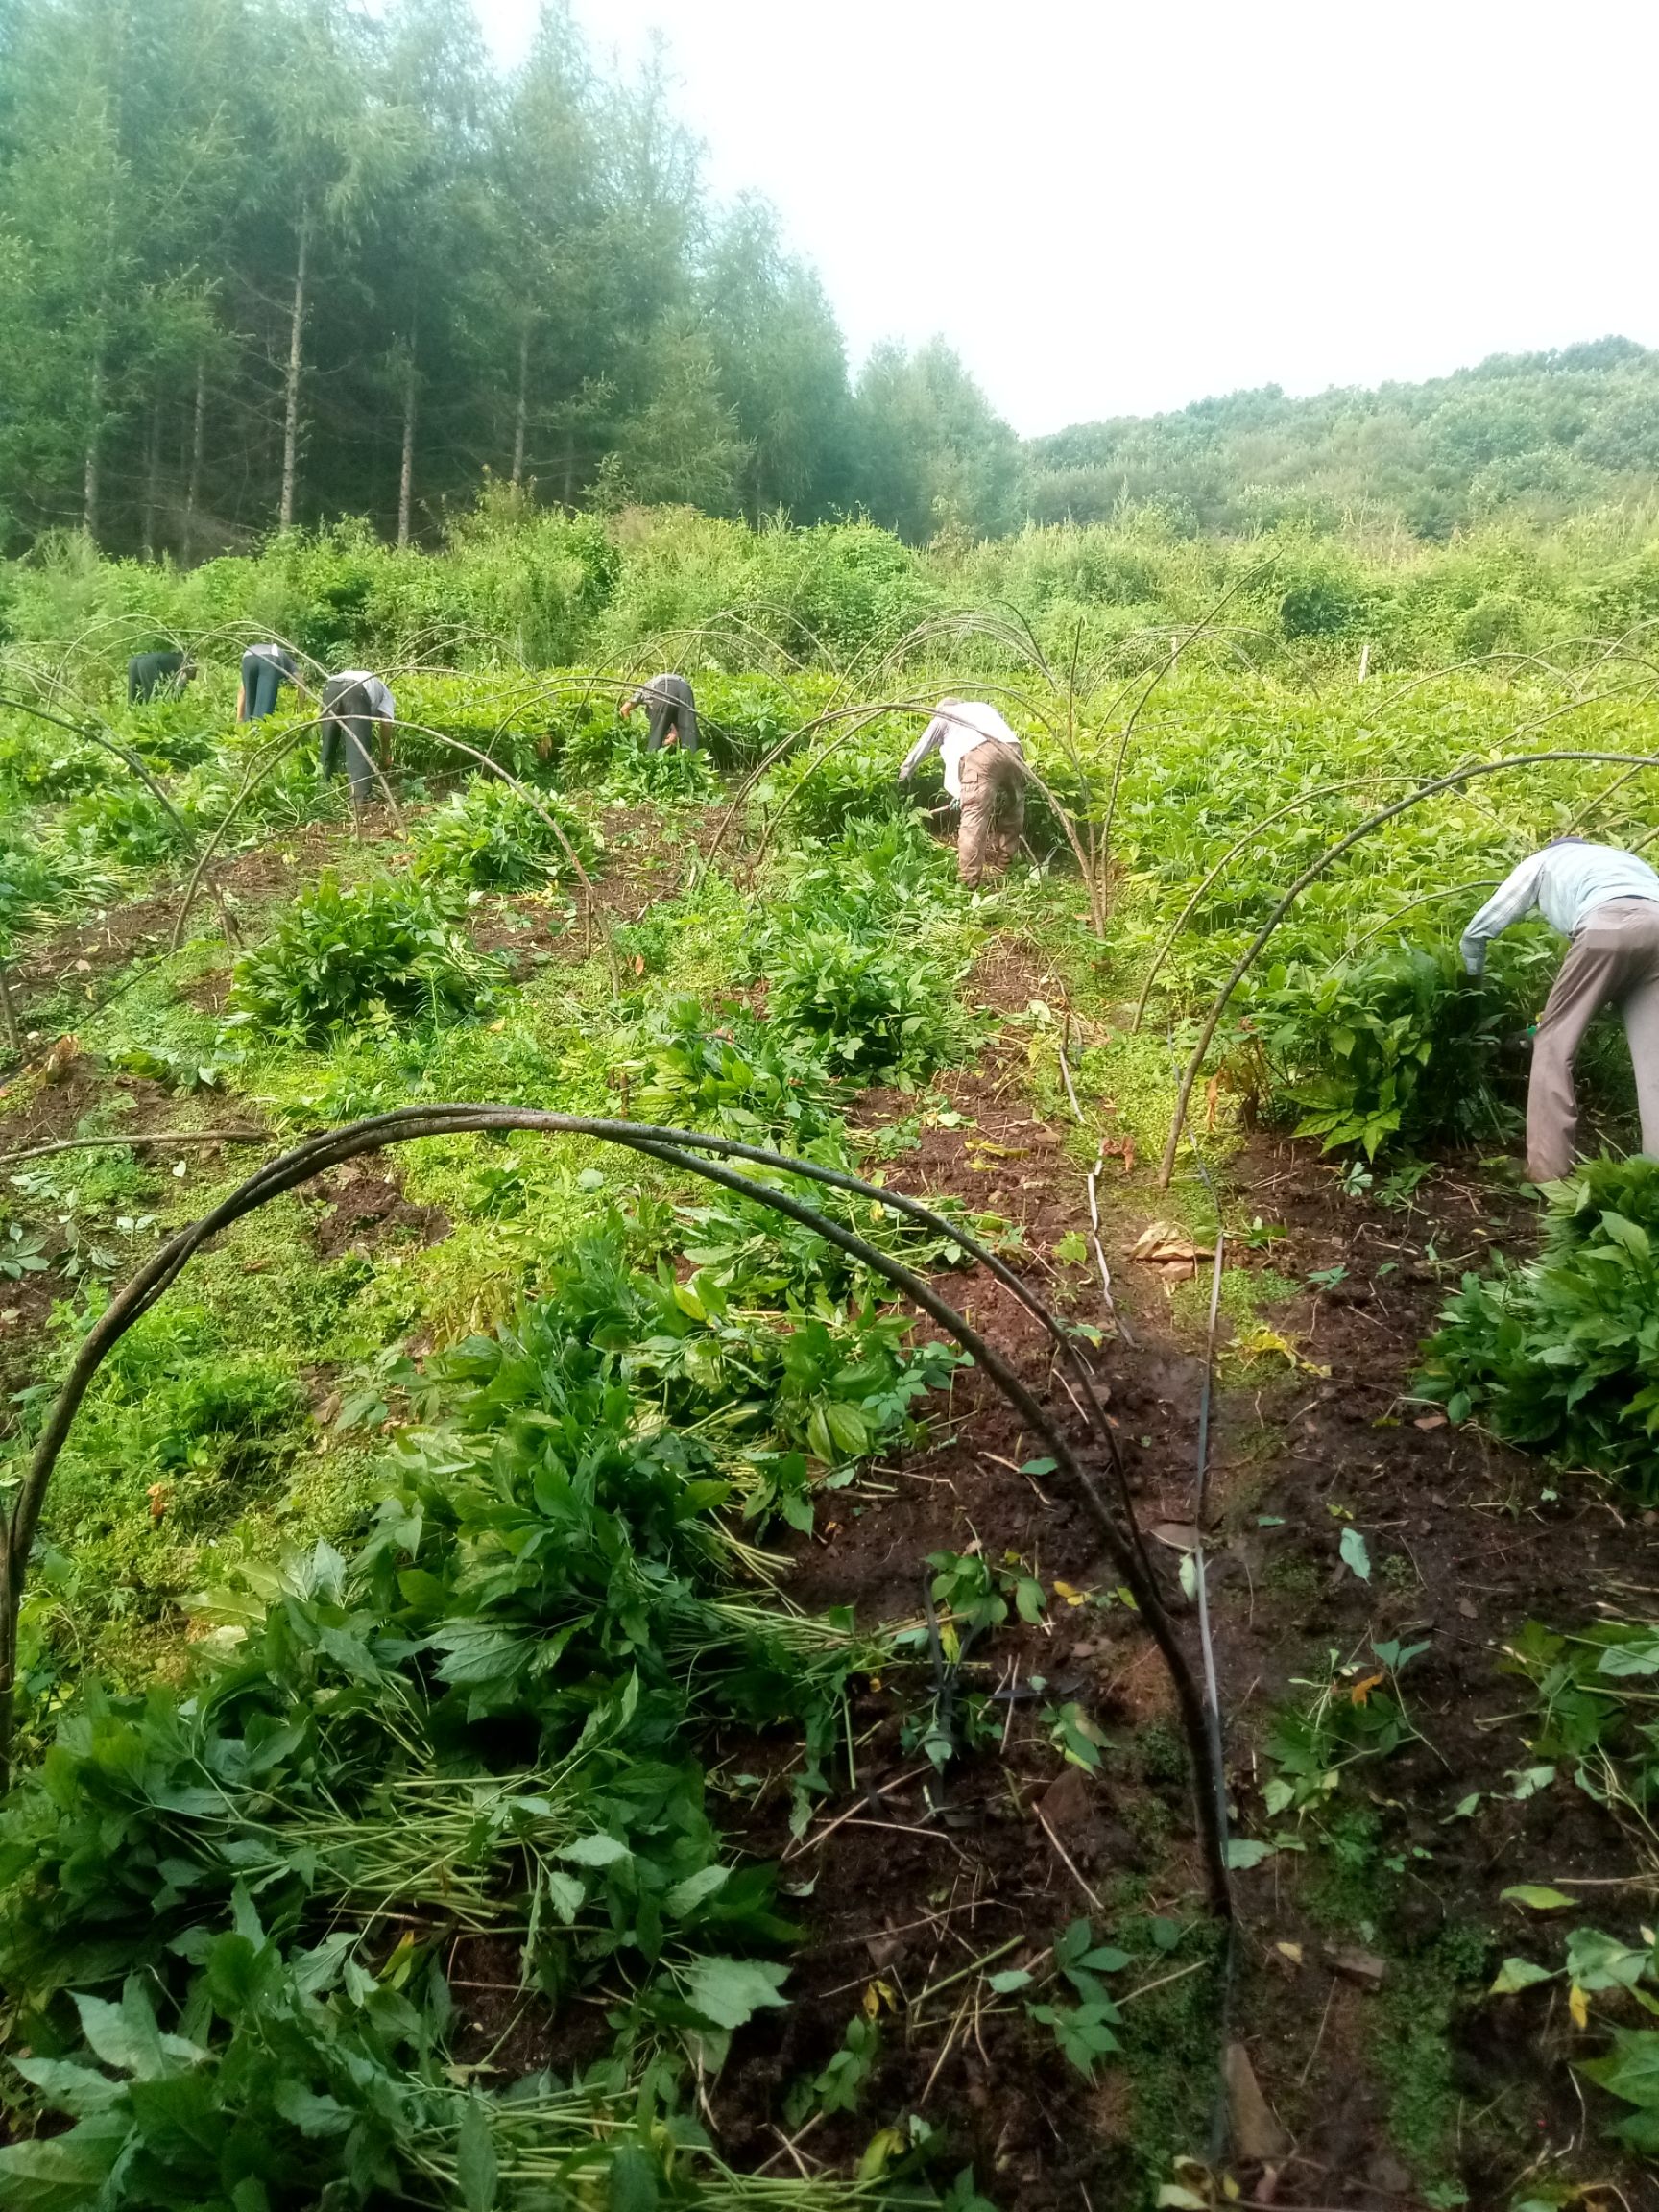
x,y
485,1716
1561,1352
1084,2029
124,821
826,794
881,1012
1356,1713
1595,1716
41,882
1623,1977
732,1072
497,838
1385,1053
841,2085
373,953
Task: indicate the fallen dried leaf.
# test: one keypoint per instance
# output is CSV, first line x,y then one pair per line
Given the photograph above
x,y
1362,1967
60,1058
1429,1421
1258,2139
1264,1340
1179,1535
1164,1243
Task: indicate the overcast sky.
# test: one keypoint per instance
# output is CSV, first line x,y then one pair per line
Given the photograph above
x,y
1111,208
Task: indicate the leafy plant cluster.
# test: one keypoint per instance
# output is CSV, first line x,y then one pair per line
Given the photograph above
x,y
1385,1053
877,1012
1356,1713
125,822
735,1073
225,1907
377,953
41,882
1593,1711
496,838
1594,1718
866,967
1561,1352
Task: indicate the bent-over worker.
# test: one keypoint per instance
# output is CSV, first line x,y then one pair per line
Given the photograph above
x,y
357,713
673,710
1607,902
157,675
265,669
984,772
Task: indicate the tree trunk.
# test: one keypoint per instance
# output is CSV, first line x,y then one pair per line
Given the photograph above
x,y
406,475
569,463
291,383
198,429
89,485
151,479
522,411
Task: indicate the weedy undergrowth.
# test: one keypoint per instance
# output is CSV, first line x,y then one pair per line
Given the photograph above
x,y
1356,1712
1595,1709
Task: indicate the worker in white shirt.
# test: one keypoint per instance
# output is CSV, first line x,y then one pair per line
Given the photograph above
x,y
357,713
1607,902
985,774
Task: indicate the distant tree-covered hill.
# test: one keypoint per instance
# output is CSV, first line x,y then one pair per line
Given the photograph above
x,y
1542,434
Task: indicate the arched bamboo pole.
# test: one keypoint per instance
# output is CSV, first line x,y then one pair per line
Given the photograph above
x,y
1317,868
673,1147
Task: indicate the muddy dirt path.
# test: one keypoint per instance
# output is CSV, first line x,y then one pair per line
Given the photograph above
x,y
1363,1958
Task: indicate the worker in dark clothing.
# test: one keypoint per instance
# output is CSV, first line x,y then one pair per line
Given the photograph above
x,y
357,713
157,675
265,669
673,710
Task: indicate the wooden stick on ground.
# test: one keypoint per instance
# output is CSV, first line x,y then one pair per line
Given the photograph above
x,y
139,1137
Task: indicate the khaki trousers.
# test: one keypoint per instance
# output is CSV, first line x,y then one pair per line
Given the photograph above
x,y
1614,960
992,811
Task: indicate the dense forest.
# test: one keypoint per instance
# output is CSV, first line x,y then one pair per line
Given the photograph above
x,y
266,263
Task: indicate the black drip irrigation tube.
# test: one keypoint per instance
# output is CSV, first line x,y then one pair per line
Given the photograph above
x,y
1220,2110
677,1148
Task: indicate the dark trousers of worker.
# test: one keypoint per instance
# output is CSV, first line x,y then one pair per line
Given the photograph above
x,y
261,682
678,715
349,738
992,811
1612,961
150,673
